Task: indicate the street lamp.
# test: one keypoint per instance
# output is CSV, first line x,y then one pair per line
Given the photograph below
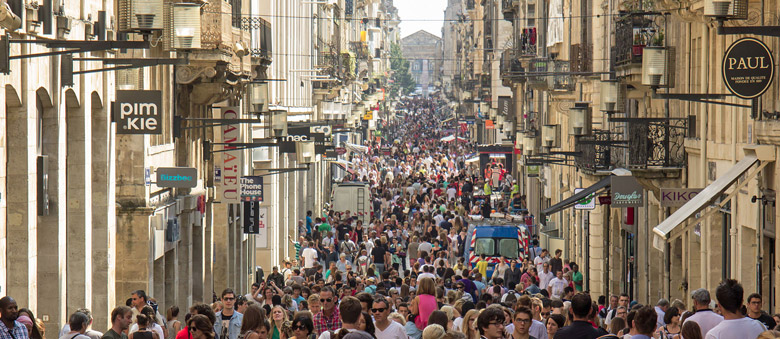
x,y
304,151
186,25
278,123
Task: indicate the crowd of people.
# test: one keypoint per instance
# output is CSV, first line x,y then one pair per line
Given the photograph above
x,y
405,272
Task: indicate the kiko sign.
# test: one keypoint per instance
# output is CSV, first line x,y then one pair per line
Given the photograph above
x,y
676,197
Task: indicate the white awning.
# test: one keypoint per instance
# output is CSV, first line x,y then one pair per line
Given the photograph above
x,y
709,194
448,138
472,160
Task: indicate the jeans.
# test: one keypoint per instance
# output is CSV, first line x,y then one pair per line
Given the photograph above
x,y
379,268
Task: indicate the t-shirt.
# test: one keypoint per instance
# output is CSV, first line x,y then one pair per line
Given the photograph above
x,y
737,328
556,287
539,262
545,278
707,319
395,330
74,336
324,227
482,267
379,255
767,320
310,256
111,334
577,277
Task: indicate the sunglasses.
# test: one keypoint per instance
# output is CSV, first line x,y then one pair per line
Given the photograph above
x,y
378,310
193,329
228,299
325,300
299,328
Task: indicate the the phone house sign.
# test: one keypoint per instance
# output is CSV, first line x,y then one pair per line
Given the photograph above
x,y
138,112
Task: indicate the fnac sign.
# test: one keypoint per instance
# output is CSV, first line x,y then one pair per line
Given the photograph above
x,y
138,112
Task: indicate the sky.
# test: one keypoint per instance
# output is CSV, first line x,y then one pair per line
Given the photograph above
x,y
421,14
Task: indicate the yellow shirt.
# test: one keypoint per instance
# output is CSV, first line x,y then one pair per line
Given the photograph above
x,y
482,266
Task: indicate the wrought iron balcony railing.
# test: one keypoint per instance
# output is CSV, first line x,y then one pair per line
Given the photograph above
x,y
634,31
580,57
547,74
596,151
656,142
261,34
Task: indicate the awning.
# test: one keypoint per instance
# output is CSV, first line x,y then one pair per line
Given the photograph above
x,y
472,160
566,203
355,148
708,195
447,120
448,138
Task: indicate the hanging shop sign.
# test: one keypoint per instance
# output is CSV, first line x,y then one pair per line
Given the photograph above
x,y
676,197
179,177
297,134
138,112
505,106
231,161
252,219
748,68
252,188
587,203
627,192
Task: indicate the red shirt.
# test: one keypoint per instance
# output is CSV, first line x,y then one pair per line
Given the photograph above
x,y
323,324
184,334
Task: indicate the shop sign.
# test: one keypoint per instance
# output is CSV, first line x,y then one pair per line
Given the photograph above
x,y
676,197
505,106
532,171
179,177
296,134
331,156
748,68
252,188
587,203
138,112
254,217
605,200
627,192
230,161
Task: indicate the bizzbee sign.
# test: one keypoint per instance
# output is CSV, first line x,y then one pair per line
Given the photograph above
x,y
138,112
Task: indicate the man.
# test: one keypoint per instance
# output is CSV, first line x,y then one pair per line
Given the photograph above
x,y
275,277
623,300
89,332
228,324
350,314
315,306
329,319
379,256
704,316
254,293
491,323
78,326
580,328
556,264
138,302
734,324
521,322
403,309
613,303
513,274
9,311
540,260
309,223
286,272
754,304
121,317
660,308
309,256
556,286
644,323
545,276
576,277
385,328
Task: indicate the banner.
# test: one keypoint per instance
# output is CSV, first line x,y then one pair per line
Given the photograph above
x,y
252,188
251,217
231,161
627,192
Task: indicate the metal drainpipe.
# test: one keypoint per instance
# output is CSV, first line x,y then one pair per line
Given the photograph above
x,y
705,231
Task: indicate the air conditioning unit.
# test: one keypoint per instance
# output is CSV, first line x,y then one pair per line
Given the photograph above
x,y
140,15
186,26
551,136
580,119
658,66
304,151
278,123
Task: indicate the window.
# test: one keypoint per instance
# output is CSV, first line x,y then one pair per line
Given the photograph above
x,y
508,248
484,246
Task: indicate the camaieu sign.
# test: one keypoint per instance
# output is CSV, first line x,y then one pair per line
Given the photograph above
x,y
627,192
748,68
179,177
138,112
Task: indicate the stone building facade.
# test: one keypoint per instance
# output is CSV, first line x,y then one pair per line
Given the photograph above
x,y
423,50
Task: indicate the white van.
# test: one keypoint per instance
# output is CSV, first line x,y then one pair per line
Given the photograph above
x,y
354,197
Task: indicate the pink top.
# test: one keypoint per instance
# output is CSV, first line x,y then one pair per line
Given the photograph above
x,y
425,307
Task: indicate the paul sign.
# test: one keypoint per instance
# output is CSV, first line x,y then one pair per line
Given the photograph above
x,y
138,112
748,68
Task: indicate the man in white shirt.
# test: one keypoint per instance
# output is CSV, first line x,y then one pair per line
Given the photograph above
x,y
545,276
704,316
540,260
385,328
556,286
660,310
451,193
734,324
309,256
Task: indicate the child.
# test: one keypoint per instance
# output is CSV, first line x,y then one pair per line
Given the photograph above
x,y
482,265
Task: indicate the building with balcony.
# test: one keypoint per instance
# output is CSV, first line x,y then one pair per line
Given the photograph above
x,y
423,50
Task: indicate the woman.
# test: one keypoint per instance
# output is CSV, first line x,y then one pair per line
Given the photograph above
x,y
37,331
434,331
329,275
469,327
303,327
280,326
553,324
691,330
617,325
672,328
200,327
151,324
440,318
424,303
173,324
143,332
366,324
253,325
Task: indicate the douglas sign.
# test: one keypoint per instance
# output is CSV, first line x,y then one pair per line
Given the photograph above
x,y
748,68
